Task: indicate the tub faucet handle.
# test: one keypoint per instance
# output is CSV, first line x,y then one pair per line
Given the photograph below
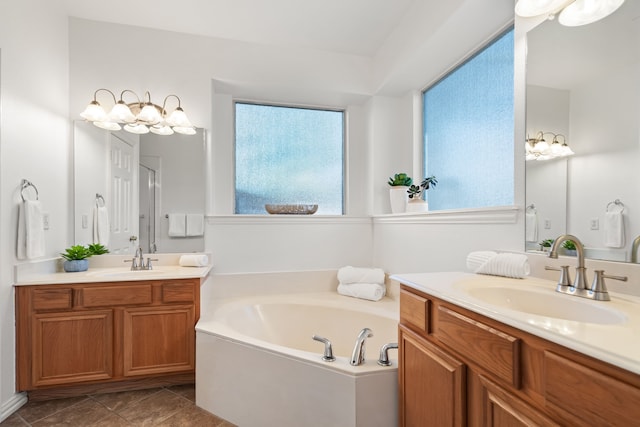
x,y
383,360
328,351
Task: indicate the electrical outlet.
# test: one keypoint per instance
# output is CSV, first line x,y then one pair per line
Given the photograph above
x,y
595,224
45,221
85,220
547,224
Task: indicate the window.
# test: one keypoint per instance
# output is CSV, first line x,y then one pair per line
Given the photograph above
x,y
468,131
288,155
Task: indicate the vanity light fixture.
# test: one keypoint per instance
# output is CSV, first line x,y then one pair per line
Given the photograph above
x,y
572,13
537,148
138,117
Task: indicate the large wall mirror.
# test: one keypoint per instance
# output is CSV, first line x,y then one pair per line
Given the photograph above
x,y
139,183
584,83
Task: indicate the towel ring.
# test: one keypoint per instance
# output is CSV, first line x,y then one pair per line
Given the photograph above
x,y
531,208
98,199
616,202
26,184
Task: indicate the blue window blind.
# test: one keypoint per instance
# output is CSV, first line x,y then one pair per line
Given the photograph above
x,y
288,155
468,131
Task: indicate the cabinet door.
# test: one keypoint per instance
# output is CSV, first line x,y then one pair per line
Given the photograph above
x,y
71,347
159,340
432,384
500,408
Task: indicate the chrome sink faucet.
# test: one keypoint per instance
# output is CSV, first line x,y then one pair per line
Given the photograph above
x,y
580,281
597,291
137,262
357,357
634,249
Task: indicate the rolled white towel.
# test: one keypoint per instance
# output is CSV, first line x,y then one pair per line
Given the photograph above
x,y
194,260
368,291
349,274
507,265
477,259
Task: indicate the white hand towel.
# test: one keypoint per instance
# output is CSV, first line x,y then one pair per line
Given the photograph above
x,y
477,259
531,226
30,230
350,274
101,227
614,229
368,291
195,225
193,260
507,265
177,225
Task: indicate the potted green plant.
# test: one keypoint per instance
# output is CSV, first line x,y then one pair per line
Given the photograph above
x,y
399,183
76,258
545,245
416,193
97,249
569,247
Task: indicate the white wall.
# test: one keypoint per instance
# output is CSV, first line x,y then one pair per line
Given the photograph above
x,y
34,144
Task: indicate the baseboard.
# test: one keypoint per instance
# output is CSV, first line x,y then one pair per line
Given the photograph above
x,y
12,405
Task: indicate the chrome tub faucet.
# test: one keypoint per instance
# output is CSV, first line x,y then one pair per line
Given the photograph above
x,y
357,357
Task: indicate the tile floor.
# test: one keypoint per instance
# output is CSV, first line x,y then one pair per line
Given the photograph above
x,y
166,407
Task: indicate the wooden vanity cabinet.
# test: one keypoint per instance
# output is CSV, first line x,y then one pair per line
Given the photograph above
x,y
459,368
110,332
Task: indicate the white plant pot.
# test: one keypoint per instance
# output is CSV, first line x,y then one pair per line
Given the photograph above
x,y
418,205
398,198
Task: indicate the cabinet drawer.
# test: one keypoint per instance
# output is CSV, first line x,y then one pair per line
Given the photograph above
x,y
52,299
594,397
101,296
415,311
493,350
178,292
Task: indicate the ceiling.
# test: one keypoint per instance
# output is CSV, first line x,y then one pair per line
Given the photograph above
x,y
358,27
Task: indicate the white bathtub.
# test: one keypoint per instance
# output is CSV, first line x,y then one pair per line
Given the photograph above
x,y
257,365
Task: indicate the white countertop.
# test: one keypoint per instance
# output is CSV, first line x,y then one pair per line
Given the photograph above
x,y
106,269
617,344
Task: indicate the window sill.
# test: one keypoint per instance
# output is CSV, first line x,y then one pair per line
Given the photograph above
x,y
493,215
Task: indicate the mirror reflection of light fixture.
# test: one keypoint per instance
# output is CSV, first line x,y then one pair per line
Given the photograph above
x,y
572,12
139,117
537,148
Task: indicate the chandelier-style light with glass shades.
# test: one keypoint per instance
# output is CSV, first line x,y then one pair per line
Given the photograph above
x,y
138,117
537,148
571,13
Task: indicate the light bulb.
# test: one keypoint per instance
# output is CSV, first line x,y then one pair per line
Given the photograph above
x,y
149,115
179,118
161,130
185,130
107,125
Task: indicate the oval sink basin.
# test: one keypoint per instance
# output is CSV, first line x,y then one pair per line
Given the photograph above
x,y
548,304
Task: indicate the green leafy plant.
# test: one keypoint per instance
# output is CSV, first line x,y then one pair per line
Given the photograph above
x,y
416,191
569,245
76,252
97,249
546,243
400,179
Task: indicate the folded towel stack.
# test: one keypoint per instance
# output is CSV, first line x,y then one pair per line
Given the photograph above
x,y
365,283
193,260
499,264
